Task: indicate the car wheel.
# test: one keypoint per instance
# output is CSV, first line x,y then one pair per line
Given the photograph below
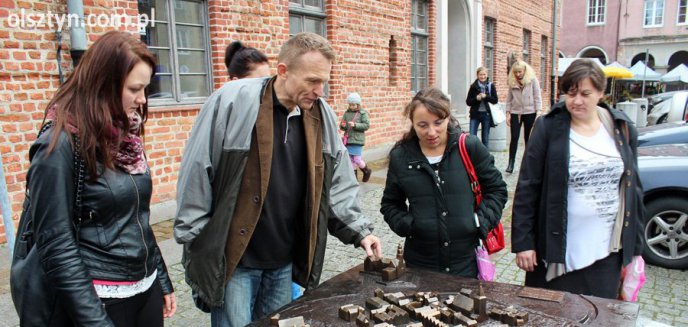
x,y
662,119
666,232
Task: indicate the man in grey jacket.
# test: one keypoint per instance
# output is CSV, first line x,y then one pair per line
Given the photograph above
x,y
263,178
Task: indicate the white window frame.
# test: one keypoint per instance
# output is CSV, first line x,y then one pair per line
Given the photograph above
x,y
596,6
527,39
655,12
543,62
489,46
418,33
682,6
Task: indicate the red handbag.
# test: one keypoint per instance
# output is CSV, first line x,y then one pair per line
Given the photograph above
x,y
495,238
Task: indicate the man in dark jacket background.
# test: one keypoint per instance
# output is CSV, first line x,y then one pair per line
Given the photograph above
x,y
264,176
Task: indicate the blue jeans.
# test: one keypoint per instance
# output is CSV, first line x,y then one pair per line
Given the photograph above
x,y
252,294
484,119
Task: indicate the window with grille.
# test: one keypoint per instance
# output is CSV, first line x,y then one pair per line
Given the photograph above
x,y
307,16
526,46
489,46
654,13
543,62
419,44
597,10
178,37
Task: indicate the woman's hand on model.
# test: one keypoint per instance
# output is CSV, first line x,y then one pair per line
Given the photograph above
x,y
169,306
526,260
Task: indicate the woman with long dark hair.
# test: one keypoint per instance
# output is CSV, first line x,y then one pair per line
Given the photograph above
x,y
88,200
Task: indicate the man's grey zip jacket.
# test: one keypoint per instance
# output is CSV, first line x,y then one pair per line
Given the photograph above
x,y
223,180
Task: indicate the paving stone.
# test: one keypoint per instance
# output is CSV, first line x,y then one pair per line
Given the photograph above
x,y
662,300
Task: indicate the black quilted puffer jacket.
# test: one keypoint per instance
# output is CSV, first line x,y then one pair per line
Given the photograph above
x,y
433,207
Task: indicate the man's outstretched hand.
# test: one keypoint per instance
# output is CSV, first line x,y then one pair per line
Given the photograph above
x,y
371,245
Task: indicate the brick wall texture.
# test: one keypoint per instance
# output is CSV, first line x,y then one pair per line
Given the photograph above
x,y
512,17
361,32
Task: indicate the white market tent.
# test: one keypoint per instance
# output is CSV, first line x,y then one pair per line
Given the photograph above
x,y
678,74
564,63
616,64
640,69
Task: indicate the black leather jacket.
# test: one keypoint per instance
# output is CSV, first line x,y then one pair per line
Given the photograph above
x,y
114,241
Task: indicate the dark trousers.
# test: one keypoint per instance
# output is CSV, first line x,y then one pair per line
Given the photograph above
x,y
527,121
144,309
601,279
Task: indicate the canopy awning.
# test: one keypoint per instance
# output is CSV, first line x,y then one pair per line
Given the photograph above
x,y
642,72
617,70
676,75
564,63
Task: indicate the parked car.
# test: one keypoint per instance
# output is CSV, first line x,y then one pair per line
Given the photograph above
x,y
669,110
669,133
662,170
659,97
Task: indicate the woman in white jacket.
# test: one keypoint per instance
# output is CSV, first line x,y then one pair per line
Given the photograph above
x,y
523,103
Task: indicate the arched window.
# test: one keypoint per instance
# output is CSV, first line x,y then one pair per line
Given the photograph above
x,y
679,57
594,52
641,57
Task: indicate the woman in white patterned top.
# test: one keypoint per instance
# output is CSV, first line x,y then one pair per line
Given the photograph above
x,y
578,203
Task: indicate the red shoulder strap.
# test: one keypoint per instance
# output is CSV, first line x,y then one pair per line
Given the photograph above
x,y
470,170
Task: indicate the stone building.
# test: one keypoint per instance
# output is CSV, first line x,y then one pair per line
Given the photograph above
x,y
624,30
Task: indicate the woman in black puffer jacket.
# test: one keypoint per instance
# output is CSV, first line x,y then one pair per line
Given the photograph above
x,y
426,171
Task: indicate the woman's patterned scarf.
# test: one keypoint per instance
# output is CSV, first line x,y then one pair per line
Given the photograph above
x,y
129,157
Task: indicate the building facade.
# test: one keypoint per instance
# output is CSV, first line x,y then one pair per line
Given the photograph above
x,y
387,50
659,27
624,30
590,29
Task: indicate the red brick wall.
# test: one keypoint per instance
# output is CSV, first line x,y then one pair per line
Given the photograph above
x,y
512,17
360,32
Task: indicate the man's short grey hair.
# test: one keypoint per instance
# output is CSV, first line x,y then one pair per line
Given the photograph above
x,y
302,43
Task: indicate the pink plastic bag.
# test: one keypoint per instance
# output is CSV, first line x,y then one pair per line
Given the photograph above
x,y
486,268
633,277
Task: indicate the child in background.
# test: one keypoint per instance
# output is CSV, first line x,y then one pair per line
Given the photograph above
x,y
354,124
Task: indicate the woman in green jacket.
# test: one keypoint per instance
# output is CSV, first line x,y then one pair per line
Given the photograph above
x,y
428,198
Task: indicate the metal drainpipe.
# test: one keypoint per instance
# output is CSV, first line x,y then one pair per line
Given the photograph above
x,y
77,31
6,212
555,57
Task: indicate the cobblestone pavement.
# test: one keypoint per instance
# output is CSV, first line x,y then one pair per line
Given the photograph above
x,y
663,300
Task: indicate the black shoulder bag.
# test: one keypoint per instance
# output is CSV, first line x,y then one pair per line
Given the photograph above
x,y
33,296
